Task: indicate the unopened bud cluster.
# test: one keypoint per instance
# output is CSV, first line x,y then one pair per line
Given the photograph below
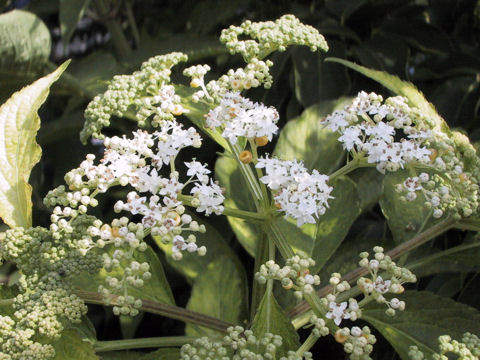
x,y
267,37
357,342
239,344
295,274
146,91
466,349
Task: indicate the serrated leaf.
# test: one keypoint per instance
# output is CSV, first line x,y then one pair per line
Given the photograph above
x,y
25,48
399,87
230,178
192,265
404,218
71,11
426,317
71,347
19,151
270,318
156,288
220,291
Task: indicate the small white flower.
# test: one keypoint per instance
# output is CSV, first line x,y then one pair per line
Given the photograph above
x,y
337,312
382,286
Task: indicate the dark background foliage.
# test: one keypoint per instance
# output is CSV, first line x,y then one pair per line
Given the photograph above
x,y
433,44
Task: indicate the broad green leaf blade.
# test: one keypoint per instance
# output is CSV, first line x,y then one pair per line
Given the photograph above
x,y
25,48
270,318
191,266
399,87
161,354
220,291
405,218
156,288
321,240
461,258
19,152
305,138
426,317
230,177
71,347
71,11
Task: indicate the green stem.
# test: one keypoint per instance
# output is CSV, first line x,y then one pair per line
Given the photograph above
x,y
307,345
396,252
261,257
228,211
6,302
248,175
120,43
170,311
349,167
280,242
153,342
259,173
133,24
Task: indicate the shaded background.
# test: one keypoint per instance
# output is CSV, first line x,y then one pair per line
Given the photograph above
x,y
433,44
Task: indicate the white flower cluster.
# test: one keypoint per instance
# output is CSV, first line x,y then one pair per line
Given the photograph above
x,y
240,117
301,195
138,162
370,126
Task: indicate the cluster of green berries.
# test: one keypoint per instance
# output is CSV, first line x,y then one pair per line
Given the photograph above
x,y
357,342
466,349
295,274
239,344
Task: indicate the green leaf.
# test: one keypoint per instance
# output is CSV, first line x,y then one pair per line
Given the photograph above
x,y
426,317
95,70
192,265
399,87
161,354
405,219
461,258
305,138
24,51
321,240
220,291
270,318
122,355
71,11
19,152
71,347
230,177
156,288
369,186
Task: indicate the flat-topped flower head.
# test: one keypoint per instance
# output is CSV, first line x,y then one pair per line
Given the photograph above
x,y
369,125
